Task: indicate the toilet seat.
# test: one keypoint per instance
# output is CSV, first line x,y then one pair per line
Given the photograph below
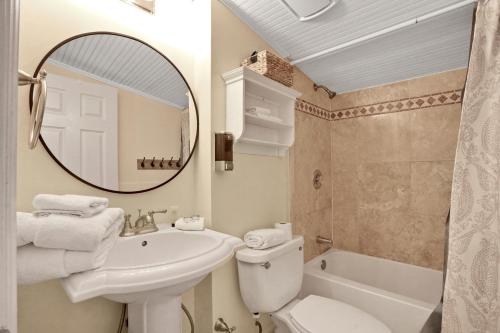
x,y
316,314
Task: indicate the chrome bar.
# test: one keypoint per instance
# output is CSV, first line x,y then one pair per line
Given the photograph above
x,y
39,99
38,110
323,240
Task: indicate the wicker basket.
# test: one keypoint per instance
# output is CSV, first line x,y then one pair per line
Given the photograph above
x,y
270,65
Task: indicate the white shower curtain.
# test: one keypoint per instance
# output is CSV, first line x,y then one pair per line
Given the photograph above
x,y
472,296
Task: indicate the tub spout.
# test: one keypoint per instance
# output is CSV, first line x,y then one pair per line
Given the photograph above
x,y
323,240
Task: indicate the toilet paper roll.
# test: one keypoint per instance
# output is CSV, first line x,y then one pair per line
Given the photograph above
x,y
286,227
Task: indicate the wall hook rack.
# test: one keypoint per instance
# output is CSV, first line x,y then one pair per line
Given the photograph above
x,y
152,164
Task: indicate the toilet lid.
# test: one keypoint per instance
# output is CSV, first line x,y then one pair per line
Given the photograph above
x,y
316,314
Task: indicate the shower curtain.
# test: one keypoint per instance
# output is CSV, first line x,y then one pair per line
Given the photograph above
x,y
472,295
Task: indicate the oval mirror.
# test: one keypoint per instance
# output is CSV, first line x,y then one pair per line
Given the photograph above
x,y
119,115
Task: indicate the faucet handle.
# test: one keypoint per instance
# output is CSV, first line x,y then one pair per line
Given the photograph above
x,y
151,220
127,227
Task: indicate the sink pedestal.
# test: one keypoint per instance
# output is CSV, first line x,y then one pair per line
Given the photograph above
x,y
150,272
156,315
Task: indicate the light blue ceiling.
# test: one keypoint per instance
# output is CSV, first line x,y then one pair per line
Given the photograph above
x,y
434,45
125,63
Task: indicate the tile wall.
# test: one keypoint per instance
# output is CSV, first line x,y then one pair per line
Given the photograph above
x,y
386,155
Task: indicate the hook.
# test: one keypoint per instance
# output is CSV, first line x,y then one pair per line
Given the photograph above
x,y
161,163
178,163
170,162
153,162
142,163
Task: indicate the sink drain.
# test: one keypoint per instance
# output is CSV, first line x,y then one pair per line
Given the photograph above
x,y
144,243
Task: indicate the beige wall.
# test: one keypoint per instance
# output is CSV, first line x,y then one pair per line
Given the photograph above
x,y
44,307
386,177
256,193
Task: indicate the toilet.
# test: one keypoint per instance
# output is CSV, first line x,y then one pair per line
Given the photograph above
x,y
270,281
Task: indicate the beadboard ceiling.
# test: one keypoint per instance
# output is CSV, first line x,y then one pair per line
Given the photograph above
x,y
124,63
434,45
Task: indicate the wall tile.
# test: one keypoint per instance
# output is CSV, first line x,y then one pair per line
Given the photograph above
x,y
345,150
384,187
344,210
390,172
311,225
425,239
382,234
303,84
431,187
389,92
440,82
384,192
311,152
434,133
384,138
347,100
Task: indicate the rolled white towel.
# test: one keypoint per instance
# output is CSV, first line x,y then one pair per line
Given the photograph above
x,y
35,264
190,223
264,238
68,232
68,204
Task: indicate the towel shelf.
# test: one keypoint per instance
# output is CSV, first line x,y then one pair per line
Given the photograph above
x,y
269,134
269,123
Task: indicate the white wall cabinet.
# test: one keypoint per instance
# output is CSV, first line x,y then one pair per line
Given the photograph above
x,y
260,134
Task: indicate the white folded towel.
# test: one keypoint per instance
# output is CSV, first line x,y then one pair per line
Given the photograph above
x,y
68,232
190,223
259,110
26,228
68,204
35,264
264,238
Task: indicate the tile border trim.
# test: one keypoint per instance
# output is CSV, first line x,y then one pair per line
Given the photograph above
x,y
399,105
312,109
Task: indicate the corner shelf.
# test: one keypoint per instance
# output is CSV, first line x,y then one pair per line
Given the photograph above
x,y
255,134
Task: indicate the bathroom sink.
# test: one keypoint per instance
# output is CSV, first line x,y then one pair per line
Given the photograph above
x,y
151,271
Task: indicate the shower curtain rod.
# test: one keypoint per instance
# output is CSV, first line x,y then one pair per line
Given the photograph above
x,y
383,31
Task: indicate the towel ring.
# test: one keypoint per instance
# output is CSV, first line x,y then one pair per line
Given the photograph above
x,y
38,109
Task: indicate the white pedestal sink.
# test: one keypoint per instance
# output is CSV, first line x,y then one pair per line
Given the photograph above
x,y
150,272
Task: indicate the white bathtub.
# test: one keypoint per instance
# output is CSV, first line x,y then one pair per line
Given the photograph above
x,y
401,295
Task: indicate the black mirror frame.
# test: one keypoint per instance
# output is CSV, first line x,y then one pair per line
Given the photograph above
x,y
39,67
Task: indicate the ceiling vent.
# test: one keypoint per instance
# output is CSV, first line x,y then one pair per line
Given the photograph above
x,y
306,10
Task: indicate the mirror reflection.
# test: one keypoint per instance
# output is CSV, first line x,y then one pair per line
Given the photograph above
x,y
119,115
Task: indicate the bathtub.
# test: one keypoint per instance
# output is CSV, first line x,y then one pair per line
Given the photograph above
x,y
401,295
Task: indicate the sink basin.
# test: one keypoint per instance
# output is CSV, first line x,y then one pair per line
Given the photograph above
x,y
150,272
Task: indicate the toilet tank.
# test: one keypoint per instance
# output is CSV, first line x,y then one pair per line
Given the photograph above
x,y
271,278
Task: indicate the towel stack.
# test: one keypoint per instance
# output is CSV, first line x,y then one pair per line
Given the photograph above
x,y
262,239
65,234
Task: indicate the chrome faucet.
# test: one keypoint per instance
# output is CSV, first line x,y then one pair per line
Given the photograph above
x,y
143,225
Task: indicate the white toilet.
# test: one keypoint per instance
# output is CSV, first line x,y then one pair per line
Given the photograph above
x,y
271,279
